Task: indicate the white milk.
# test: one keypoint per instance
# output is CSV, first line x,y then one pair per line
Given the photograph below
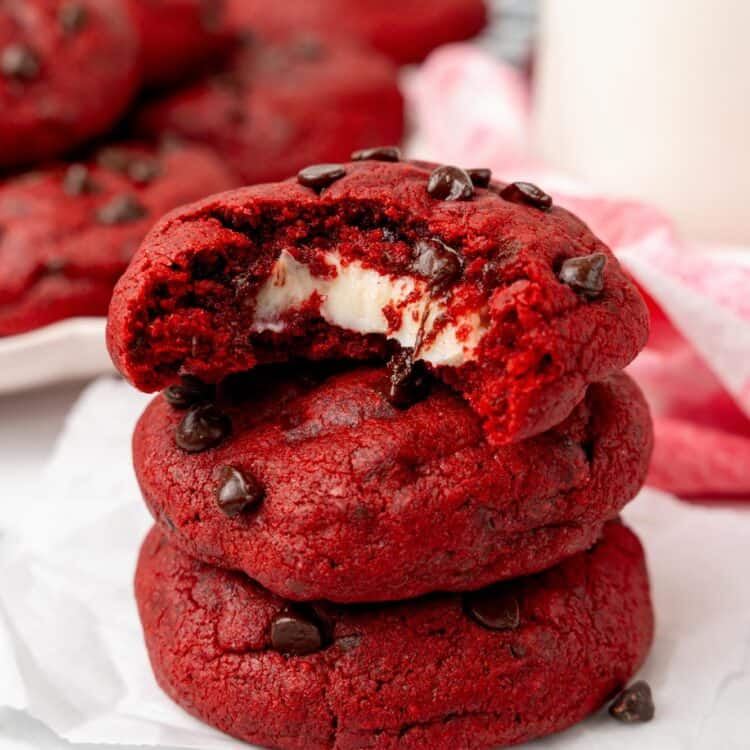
x,y
651,99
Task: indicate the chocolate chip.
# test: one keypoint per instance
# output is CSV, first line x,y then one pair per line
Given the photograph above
x,y
296,632
495,607
203,427
450,184
435,261
634,704
143,171
77,180
189,392
408,379
121,210
113,158
55,265
379,153
72,17
19,61
585,274
480,177
237,491
525,192
320,176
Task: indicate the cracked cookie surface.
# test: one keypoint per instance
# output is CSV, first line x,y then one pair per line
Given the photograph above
x,y
418,675
513,303
325,490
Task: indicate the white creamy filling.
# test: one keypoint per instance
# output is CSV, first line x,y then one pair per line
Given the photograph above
x,y
355,298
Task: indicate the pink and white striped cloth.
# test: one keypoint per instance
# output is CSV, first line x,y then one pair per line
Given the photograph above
x,y
473,110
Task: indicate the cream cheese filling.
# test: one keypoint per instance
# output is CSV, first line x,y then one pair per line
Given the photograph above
x,y
355,298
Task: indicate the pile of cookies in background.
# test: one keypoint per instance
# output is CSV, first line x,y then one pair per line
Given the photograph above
x,y
116,111
388,461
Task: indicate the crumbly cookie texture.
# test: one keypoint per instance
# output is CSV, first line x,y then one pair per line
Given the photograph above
x,y
511,301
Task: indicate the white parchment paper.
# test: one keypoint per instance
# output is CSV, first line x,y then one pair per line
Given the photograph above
x,y
72,656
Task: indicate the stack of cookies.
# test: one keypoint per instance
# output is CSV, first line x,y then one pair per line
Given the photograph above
x,y
388,461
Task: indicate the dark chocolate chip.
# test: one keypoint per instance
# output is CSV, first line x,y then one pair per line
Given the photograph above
x,y
480,177
634,704
113,158
527,193
72,17
585,273
121,210
19,61
450,184
203,427
379,153
77,180
237,491
143,170
495,607
189,392
320,176
437,262
296,632
408,379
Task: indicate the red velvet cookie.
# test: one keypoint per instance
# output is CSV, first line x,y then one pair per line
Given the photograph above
x,y
513,303
405,30
179,37
69,231
281,106
479,671
325,490
68,69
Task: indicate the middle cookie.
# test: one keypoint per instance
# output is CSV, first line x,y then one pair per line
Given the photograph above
x,y
319,488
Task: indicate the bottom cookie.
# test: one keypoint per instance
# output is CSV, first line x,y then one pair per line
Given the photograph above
x,y
510,663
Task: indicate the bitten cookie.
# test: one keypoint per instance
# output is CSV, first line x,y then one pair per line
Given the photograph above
x,y
509,300
489,669
322,489
68,232
179,37
278,107
68,69
405,30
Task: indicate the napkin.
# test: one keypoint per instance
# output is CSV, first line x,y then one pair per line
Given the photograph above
x,y
71,652
473,110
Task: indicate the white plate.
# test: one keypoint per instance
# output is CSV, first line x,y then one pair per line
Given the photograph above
x,y
66,350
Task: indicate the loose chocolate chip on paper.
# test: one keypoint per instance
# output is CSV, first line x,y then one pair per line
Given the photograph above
x,y
480,177
121,210
408,379
585,274
526,193
495,607
203,427
437,262
188,392
237,492
72,17
77,180
634,704
379,153
296,633
19,61
450,184
320,176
